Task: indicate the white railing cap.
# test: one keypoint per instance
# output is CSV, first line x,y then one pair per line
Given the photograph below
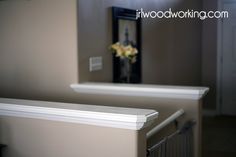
x,y
117,117
183,92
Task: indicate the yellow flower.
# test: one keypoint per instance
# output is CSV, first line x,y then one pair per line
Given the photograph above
x,y
119,52
122,51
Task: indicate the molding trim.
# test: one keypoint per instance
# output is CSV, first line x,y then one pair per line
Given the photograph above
x,y
182,92
124,118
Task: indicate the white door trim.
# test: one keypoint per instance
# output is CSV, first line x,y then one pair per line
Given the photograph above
x,y
220,4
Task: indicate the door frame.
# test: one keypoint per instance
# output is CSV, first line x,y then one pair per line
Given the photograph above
x,y
219,69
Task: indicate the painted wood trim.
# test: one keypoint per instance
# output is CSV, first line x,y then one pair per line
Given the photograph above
x,y
182,92
120,118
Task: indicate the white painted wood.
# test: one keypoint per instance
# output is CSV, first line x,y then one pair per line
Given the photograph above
x,y
227,62
117,117
182,92
164,123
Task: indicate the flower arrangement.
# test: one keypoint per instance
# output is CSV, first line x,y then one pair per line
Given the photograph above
x,y
123,51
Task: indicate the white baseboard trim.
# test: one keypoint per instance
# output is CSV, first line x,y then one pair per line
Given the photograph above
x,y
209,113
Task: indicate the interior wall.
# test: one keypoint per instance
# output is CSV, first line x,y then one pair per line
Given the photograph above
x,y
39,46
171,52
165,107
209,55
20,133
38,49
27,137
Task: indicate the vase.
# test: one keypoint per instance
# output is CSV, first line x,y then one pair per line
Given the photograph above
x,y
125,70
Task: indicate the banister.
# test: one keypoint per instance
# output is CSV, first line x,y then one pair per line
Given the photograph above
x,y
166,122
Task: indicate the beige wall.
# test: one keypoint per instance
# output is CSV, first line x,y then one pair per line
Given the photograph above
x,y
40,138
165,107
38,49
209,55
32,138
39,59
171,48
